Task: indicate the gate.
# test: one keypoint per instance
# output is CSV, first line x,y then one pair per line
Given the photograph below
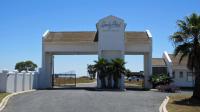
x,y
64,80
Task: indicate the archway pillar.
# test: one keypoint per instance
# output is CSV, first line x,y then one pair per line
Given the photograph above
x,y
147,70
45,78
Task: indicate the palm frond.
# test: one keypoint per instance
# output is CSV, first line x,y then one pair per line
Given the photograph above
x,y
183,27
183,50
179,38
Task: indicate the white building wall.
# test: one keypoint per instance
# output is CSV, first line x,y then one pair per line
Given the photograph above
x,y
178,81
111,31
20,82
11,83
71,48
15,82
182,81
137,48
3,78
111,40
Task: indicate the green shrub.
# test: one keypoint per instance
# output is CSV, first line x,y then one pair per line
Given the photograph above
x,y
160,79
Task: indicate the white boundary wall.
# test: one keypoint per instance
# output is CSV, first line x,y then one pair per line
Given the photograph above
x,y
15,82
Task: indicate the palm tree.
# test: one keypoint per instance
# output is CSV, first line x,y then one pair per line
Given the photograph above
x,y
100,66
118,68
187,43
109,74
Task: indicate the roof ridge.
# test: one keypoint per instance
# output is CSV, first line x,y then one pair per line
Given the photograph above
x,y
72,31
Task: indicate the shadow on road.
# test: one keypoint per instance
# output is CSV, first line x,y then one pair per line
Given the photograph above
x,y
96,89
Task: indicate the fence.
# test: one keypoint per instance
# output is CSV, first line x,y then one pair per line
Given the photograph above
x,y
16,82
64,80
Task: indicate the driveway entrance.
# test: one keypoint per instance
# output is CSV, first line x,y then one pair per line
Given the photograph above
x,y
86,101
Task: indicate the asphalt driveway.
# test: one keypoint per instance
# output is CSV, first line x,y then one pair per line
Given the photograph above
x,y
81,100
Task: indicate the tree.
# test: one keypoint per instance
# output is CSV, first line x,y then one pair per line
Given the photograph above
x,y
128,73
100,67
109,70
26,66
186,41
109,74
118,68
91,71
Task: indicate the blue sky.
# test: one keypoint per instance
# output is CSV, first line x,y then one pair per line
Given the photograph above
x,y
22,23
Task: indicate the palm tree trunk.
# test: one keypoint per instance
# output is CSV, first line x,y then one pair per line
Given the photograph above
x,y
103,83
116,82
109,81
196,90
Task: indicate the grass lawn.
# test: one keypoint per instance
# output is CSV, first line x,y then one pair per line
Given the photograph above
x,y
134,84
182,103
85,80
2,95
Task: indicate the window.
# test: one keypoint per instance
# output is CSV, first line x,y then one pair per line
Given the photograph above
x,y
180,74
189,76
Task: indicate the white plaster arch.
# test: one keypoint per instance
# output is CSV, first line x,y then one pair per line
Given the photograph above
x,y
109,41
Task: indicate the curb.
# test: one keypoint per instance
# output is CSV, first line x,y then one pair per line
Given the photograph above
x,y
5,100
163,105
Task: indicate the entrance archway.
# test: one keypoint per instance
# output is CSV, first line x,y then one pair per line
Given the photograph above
x,y
109,41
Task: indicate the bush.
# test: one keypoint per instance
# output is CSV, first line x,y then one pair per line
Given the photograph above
x,y
160,79
168,88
